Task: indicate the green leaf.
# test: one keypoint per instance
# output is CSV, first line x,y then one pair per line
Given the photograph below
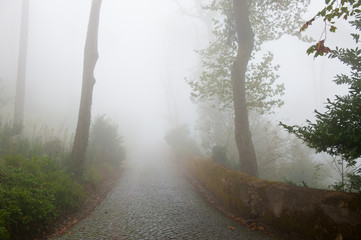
x,y
311,49
356,37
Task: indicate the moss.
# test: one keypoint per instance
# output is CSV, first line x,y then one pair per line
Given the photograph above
x,y
229,186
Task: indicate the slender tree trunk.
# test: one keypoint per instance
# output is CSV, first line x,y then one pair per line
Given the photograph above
x,y
20,83
245,35
90,60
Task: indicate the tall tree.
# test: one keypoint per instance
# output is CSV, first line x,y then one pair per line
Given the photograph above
x,y
230,75
90,60
245,40
20,83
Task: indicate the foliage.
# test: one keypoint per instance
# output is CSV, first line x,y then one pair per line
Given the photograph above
x,y
290,182
334,9
105,142
349,177
352,185
269,21
215,83
355,182
338,130
278,155
340,172
34,192
93,176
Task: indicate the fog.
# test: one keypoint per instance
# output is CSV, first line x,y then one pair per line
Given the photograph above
x,y
135,38
164,132
144,46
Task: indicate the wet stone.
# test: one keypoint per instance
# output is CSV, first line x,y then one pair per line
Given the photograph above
x,y
154,201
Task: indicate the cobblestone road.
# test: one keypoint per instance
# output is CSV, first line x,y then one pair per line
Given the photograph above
x,y
154,201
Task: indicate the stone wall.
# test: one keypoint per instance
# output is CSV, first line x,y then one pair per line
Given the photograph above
x,y
307,212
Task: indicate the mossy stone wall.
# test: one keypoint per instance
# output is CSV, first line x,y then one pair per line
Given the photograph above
x,y
311,213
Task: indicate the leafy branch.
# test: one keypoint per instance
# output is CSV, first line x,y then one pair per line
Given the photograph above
x,y
334,9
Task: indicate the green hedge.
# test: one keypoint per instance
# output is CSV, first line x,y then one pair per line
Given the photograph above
x,y
33,193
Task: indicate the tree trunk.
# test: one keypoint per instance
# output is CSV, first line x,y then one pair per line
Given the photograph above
x,y
90,59
245,36
20,82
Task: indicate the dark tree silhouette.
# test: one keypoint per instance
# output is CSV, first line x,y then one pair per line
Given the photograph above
x,y
245,40
90,60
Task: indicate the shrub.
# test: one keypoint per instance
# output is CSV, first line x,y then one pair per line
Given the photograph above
x,y
93,176
105,143
33,193
355,181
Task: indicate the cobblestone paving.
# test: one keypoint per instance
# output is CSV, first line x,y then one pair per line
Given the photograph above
x,y
154,201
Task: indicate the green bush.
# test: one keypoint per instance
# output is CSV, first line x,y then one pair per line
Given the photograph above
x,y
105,143
93,176
355,181
33,193
352,183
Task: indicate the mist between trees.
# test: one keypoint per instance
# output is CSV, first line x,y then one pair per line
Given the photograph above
x,y
215,39
208,78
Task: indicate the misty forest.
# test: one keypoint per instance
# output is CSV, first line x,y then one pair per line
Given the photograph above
x,y
180,119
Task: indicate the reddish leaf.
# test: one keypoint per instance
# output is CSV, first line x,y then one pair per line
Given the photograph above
x,y
321,49
308,23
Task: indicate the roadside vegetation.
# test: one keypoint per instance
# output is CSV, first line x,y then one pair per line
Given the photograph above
x,y
323,154
337,130
37,186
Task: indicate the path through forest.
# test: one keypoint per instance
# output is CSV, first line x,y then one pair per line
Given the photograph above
x,y
154,201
